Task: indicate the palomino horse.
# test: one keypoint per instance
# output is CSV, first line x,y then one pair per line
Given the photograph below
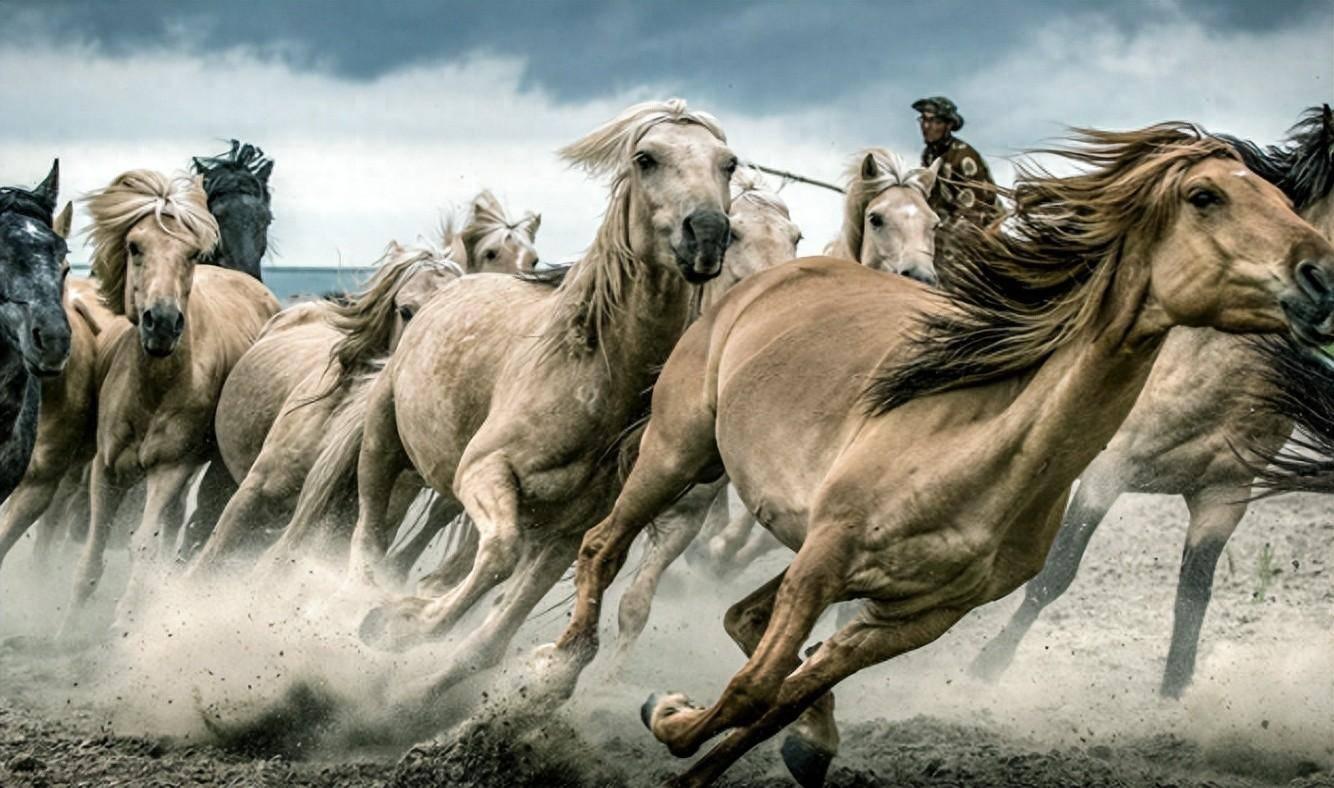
x,y
490,242
887,222
34,332
763,235
66,418
928,474
521,426
888,225
156,403
237,185
1179,439
268,374
328,354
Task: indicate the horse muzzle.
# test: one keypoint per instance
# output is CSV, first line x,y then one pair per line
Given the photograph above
x,y
705,236
160,329
45,342
1309,307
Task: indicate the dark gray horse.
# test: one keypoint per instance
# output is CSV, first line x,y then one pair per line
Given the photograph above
x,y
237,185
34,334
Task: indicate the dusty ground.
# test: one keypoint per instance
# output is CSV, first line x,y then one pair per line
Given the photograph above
x,y
157,704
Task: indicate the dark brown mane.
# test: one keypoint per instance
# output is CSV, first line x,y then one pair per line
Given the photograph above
x,y
1302,381
1021,289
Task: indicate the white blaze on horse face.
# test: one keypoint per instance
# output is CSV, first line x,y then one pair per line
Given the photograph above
x,y
899,234
33,230
676,170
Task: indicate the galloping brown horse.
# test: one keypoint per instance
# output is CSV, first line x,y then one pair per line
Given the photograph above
x,y
1197,406
156,403
928,473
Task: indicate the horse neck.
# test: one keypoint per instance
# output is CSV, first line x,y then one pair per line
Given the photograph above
x,y
15,402
640,331
1075,401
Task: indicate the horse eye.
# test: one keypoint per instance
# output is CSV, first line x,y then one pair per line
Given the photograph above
x,y
645,161
877,220
405,312
134,249
490,254
730,167
1204,198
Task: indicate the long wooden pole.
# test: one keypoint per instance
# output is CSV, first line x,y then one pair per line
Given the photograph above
x,y
792,176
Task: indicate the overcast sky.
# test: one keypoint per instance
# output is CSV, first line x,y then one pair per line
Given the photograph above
x,y
381,115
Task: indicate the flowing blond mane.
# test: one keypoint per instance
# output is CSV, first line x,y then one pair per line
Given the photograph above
x,y
750,185
124,203
366,318
592,291
487,218
1021,290
860,192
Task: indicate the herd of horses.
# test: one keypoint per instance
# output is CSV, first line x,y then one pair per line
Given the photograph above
x,y
907,415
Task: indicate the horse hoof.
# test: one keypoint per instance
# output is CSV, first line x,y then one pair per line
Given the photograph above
x,y
376,630
808,764
646,711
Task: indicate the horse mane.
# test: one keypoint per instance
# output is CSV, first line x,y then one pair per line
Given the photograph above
x,y
1301,388
592,290
241,170
892,171
1022,289
366,318
750,185
1302,166
487,217
128,199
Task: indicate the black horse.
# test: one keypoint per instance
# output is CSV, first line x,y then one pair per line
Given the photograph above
x,y
237,185
34,333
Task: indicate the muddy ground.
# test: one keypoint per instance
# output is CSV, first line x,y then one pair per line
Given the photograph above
x,y
162,700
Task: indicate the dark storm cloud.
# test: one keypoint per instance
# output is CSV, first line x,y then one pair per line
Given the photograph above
x,y
763,56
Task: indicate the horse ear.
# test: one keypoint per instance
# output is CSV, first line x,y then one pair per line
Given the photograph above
x,y
870,170
47,190
63,220
1328,116
925,180
530,224
264,171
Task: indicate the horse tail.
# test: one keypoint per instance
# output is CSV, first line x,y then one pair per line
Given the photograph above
x,y
330,489
1302,389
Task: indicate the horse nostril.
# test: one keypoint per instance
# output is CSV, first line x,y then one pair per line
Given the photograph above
x,y
180,322
146,320
1312,279
37,340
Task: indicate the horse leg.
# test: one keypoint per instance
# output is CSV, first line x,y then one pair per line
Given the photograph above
x,y
858,645
1094,497
265,496
153,543
723,547
27,502
53,526
541,567
673,533
216,489
1214,515
815,579
104,499
379,465
455,561
488,490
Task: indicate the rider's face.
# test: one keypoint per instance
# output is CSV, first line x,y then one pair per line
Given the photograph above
x,y
933,128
